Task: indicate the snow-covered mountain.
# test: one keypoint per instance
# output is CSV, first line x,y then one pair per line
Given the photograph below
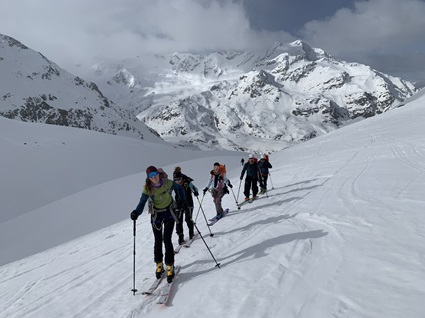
x,y
34,89
261,101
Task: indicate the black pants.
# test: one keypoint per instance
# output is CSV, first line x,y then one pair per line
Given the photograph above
x,y
164,233
250,182
263,181
187,212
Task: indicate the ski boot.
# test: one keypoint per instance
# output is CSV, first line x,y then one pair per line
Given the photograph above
x,y
170,273
181,239
159,270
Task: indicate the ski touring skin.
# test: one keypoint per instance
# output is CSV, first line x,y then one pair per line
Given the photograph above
x,y
214,220
165,293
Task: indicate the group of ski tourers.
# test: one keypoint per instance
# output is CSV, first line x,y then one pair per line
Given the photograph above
x,y
166,211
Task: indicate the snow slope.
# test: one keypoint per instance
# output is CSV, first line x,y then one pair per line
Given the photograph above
x,y
42,165
340,235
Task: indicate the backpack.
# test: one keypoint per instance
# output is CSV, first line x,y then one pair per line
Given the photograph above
x,y
162,174
223,170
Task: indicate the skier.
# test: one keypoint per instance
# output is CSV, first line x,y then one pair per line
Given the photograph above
x,y
187,210
251,168
218,182
163,211
242,161
264,165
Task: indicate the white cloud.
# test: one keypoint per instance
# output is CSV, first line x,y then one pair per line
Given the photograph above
x,y
75,31
373,26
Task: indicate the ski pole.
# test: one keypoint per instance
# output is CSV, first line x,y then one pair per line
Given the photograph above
x,y
199,209
134,290
271,181
237,204
217,264
200,206
239,189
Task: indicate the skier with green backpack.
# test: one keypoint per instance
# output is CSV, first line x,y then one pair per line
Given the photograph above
x,y
163,210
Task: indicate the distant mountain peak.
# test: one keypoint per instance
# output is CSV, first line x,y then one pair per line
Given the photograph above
x,y
255,101
35,89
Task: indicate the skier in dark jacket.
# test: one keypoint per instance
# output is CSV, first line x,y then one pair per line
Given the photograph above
x,y
251,169
163,211
187,210
264,165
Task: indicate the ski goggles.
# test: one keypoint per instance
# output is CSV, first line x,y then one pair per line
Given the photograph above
x,y
153,174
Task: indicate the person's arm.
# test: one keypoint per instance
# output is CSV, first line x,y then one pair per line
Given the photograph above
x,y
139,209
178,189
208,185
193,189
243,170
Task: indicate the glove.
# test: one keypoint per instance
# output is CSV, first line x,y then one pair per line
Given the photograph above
x,y
134,215
205,190
241,177
230,185
196,193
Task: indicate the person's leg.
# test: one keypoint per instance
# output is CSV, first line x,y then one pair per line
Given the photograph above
x,y
247,187
265,177
217,201
254,187
179,225
169,249
189,222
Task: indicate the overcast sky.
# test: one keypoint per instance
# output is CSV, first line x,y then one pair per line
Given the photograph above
x,y
386,34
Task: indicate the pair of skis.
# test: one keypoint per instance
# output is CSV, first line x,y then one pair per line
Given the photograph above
x,y
166,290
215,219
186,244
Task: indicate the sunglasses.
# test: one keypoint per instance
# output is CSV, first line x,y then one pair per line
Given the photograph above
x,y
153,174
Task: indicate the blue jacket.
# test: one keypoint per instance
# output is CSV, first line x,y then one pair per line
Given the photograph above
x,y
264,166
251,170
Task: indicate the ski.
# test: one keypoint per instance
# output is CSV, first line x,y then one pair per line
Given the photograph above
x,y
214,220
154,285
189,241
178,248
167,288
244,202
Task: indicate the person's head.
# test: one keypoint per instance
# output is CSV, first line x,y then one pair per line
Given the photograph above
x,y
178,177
251,159
263,157
152,174
216,167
